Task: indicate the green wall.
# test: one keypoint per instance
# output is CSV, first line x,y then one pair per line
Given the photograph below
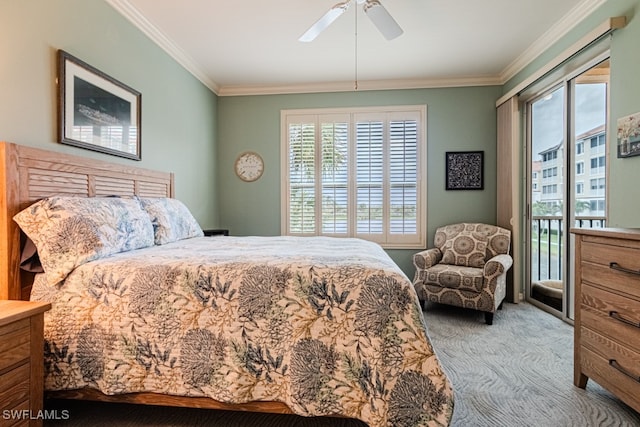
x,y
624,174
458,119
178,111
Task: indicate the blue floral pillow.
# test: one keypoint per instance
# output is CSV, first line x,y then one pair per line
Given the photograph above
x,y
71,231
171,219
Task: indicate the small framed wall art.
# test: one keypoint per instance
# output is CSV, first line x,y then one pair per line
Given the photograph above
x,y
465,170
96,111
629,135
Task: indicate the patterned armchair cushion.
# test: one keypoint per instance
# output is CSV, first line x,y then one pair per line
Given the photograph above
x,y
455,277
462,245
499,243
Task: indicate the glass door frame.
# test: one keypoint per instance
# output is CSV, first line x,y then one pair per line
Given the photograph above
x,y
568,82
548,90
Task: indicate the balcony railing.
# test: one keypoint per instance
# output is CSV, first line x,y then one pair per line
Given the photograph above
x,y
547,241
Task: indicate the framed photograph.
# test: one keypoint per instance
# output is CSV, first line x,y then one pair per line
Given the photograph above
x,y
96,111
465,170
629,136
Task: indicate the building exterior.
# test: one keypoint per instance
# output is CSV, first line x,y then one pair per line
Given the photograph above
x,y
548,176
590,172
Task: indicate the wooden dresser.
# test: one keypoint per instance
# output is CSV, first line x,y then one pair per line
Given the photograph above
x,y
21,362
607,316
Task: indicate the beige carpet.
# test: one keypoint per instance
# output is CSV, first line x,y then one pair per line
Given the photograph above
x,y
517,372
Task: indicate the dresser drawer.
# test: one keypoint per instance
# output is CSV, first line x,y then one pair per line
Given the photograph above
x,y
21,362
612,315
15,341
14,386
610,374
605,265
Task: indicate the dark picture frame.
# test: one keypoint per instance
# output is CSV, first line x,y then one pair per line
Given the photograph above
x,y
96,111
465,170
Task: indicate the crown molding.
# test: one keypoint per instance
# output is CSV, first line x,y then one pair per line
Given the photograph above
x,y
609,25
548,39
367,85
127,10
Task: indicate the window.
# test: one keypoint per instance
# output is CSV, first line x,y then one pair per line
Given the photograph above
x,y
356,173
580,147
580,168
552,155
596,207
597,186
598,144
549,173
597,165
580,188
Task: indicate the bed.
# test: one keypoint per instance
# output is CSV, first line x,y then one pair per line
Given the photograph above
x,y
314,326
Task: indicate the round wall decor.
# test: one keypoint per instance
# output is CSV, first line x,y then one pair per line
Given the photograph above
x,y
249,166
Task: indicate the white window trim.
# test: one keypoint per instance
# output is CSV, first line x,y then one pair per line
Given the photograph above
x,y
421,222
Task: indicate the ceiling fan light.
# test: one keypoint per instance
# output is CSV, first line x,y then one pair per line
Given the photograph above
x,y
382,19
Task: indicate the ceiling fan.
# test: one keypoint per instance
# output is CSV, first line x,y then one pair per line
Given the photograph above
x,y
374,10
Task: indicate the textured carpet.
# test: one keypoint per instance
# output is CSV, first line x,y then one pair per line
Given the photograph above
x,y
517,372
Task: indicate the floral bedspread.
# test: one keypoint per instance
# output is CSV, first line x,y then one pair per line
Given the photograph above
x,y
328,326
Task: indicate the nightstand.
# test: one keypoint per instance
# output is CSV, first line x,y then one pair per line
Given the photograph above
x,y
216,232
21,362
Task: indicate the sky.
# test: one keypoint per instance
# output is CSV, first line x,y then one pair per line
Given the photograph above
x,y
548,116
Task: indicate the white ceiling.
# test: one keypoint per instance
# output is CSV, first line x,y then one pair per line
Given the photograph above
x,y
251,46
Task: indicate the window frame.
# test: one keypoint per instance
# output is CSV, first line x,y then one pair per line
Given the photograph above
x,y
386,239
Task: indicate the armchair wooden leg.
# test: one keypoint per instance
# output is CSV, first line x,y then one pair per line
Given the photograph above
x,y
488,317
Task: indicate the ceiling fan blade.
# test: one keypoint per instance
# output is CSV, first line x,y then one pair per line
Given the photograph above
x,y
382,19
324,22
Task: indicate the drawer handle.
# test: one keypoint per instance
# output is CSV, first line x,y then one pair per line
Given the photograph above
x,y
616,266
615,364
616,315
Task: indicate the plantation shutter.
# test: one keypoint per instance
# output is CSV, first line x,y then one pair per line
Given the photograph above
x,y
335,175
370,177
302,170
356,174
403,176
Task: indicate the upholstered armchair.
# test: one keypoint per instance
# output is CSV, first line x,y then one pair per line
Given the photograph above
x,y
466,268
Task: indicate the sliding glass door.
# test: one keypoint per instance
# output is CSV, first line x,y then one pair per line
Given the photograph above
x,y
567,170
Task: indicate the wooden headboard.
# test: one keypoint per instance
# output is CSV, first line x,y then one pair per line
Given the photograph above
x,y
30,174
